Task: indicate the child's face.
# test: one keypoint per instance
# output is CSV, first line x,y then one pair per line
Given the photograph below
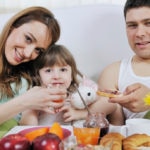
x,y
138,30
56,75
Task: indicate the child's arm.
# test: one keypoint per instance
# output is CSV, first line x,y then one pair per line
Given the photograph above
x,y
29,117
117,117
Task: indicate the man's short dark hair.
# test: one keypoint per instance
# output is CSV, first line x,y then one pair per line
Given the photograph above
x,y
135,4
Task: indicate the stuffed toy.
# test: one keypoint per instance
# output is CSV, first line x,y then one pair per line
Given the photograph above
x,y
87,89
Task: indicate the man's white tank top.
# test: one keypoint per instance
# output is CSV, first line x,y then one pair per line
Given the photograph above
x,y
128,77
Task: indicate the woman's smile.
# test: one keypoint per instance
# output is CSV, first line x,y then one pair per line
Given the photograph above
x,y
27,41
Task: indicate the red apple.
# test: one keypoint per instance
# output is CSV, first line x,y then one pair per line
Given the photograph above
x,y
47,141
14,142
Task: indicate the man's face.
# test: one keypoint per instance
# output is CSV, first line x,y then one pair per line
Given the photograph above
x,y
138,30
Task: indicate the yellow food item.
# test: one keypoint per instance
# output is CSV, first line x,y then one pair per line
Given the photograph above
x,y
136,140
35,133
114,140
57,129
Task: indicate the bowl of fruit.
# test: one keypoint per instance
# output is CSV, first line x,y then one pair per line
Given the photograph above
x,y
35,138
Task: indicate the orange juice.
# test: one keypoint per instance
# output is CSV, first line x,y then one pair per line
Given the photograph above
x,y
87,135
58,100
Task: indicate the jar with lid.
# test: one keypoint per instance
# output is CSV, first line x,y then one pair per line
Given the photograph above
x,y
97,120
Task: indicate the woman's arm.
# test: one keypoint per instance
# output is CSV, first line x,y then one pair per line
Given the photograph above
x,y
37,98
29,117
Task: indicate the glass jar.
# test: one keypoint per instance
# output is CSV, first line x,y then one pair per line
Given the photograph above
x,y
97,120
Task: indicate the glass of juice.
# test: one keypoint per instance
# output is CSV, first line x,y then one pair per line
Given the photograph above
x,y
57,86
86,135
97,120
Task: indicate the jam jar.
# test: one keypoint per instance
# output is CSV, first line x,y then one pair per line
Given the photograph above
x,y
97,120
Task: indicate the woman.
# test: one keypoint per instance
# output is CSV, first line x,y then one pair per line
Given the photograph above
x,y
23,39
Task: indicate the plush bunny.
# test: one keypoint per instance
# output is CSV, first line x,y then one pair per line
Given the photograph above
x,y
87,89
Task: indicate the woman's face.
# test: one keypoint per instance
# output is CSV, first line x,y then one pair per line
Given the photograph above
x,y
26,42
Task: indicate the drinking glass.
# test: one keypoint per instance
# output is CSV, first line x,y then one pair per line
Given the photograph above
x,y
57,87
86,135
92,130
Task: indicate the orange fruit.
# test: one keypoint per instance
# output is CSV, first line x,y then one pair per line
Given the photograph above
x,y
57,129
35,133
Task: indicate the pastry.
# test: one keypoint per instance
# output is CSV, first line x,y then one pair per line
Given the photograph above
x,y
136,140
109,93
114,140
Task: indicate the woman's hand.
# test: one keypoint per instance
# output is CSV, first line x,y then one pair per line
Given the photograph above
x,y
42,98
133,98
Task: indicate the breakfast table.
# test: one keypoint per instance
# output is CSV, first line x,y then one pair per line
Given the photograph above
x,y
116,134
17,129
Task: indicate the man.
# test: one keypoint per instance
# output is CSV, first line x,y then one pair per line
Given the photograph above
x,y
131,76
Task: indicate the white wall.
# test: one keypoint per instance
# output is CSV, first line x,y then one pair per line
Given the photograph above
x,y
14,5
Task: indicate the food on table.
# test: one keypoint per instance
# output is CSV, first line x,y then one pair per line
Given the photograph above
x,y
90,131
57,129
114,140
62,132
89,147
14,142
25,139
50,141
86,135
109,93
47,141
136,141
35,133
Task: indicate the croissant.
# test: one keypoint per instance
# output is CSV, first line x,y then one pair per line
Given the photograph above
x,y
136,140
114,140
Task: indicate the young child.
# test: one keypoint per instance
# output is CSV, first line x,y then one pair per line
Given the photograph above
x,y
54,68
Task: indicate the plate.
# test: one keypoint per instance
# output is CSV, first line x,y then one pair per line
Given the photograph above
x,y
66,132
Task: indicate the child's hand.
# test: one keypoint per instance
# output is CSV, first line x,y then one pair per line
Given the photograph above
x,y
71,114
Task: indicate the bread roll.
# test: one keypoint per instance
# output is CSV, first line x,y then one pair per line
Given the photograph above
x,y
147,144
114,140
135,140
107,94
